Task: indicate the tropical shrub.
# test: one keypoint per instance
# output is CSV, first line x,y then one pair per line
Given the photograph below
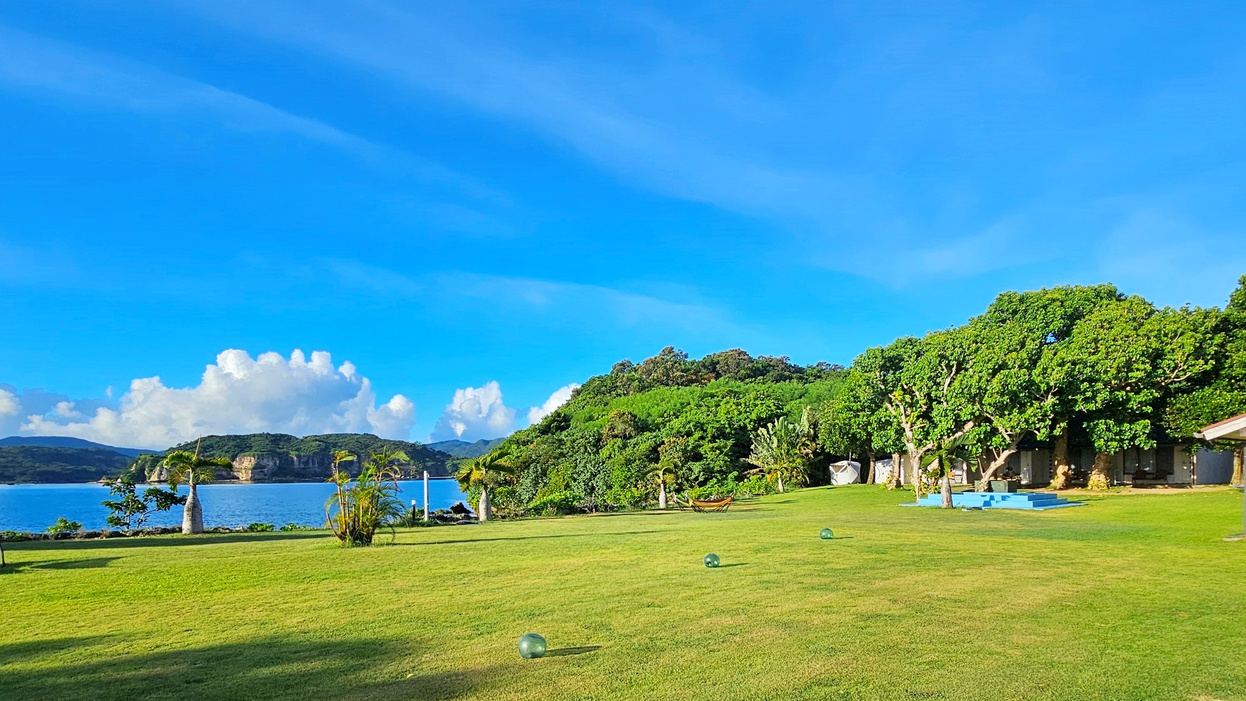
x,y
261,528
294,527
64,525
556,504
358,509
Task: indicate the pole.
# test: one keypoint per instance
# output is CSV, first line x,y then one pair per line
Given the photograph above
x,y
426,511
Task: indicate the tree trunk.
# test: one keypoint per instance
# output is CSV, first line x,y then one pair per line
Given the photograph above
x,y
484,504
1060,460
915,462
893,480
192,513
945,489
662,494
780,483
1099,477
998,462
1237,466
869,475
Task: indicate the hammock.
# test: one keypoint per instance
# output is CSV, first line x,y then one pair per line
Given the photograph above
x,y
704,506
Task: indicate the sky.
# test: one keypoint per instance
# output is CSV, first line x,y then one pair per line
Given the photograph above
x,y
431,220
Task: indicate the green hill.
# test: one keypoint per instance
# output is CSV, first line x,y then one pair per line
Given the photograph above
x,y
29,463
596,450
66,442
278,457
463,449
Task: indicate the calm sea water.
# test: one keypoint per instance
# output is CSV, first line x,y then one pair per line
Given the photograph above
x,y
34,507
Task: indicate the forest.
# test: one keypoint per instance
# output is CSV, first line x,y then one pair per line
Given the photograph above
x,y
1066,366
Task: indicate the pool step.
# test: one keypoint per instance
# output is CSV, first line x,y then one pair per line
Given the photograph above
x,y
1032,501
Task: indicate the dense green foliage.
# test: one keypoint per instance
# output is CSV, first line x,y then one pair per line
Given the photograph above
x,y
600,448
23,463
1131,597
1083,363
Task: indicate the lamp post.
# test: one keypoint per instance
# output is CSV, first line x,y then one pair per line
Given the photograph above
x,y
426,511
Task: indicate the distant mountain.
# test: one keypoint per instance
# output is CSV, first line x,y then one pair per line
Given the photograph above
x,y
277,457
66,442
34,463
463,449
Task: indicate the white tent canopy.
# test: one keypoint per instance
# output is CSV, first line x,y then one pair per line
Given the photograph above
x,y
845,472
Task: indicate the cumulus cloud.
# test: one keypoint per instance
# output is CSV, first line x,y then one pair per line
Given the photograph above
x,y
9,405
475,413
557,399
237,394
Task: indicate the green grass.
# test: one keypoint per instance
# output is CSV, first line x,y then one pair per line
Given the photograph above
x,y
1131,597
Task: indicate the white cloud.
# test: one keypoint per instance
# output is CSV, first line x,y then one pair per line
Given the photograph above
x,y
238,394
557,399
475,413
9,405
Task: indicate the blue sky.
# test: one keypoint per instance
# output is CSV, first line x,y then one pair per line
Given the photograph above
x,y
453,195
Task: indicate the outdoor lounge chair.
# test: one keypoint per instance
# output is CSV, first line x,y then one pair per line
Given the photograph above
x,y
704,506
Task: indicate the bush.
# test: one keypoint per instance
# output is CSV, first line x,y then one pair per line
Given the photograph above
x,y
64,525
755,485
556,504
260,527
14,537
291,527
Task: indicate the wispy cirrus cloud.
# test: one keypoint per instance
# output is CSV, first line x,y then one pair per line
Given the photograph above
x,y
64,71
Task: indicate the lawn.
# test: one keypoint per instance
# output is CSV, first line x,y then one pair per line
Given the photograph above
x,y
1130,597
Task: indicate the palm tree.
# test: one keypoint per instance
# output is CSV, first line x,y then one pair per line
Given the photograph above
x,y
943,459
188,468
664,472
673,454
341,479
783,449
483,472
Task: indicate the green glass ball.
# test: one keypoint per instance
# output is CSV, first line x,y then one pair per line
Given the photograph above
x,y
711,560
531,646
826,534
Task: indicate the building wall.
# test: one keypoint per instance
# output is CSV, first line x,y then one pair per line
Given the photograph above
x,y
1213,467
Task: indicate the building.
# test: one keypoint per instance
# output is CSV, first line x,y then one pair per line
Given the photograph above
x,y
1167,464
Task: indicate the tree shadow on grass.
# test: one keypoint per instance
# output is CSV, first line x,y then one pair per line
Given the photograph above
x,y
161,541
731,564
646,512
522,537
83,564
272,668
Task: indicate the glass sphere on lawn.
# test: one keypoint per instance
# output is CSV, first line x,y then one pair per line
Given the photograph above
x,y
711,560
531,646
826,534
